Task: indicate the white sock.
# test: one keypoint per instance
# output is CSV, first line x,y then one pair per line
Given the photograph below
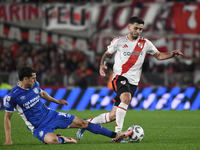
x,y
120,114
102,118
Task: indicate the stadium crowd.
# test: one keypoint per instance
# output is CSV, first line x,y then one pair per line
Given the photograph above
x,y
57,67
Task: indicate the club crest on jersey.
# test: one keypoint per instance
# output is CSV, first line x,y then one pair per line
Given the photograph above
x,y
140,45
123,82
36,90
41,133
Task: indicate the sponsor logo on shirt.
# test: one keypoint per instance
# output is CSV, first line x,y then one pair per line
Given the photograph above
x,y
132,53
32,102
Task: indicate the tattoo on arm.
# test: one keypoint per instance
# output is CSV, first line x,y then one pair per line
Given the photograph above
x,y
104,59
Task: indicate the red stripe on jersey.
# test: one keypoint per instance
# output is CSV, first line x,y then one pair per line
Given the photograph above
x,y
134,57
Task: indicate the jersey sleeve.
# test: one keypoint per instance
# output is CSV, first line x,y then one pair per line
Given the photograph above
x,y
10,103
151,48
113,46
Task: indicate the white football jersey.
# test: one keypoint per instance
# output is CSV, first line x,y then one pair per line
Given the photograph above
x,y
129,57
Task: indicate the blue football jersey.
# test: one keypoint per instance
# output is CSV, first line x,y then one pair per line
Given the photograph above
x,y
29,106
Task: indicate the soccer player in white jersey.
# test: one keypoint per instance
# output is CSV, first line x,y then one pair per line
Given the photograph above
x,y
42,121
130,52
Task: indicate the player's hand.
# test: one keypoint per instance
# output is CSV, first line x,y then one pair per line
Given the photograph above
x,y
176,53
62,102
101,70
8,143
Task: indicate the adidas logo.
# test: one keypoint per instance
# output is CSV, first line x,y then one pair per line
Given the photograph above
x,y
125,46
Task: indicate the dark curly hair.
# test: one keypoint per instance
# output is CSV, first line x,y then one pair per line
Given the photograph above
x,y
135,19
26,72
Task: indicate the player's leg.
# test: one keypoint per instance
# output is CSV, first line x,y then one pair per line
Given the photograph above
x,y
125,92
121,110
117,102
101,119
97,129
105,117
47,135
52,138
94,128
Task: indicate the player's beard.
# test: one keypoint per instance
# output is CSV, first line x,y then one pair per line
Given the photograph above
x,y
134,36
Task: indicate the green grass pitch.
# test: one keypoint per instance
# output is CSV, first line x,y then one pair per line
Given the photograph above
x,y
163,130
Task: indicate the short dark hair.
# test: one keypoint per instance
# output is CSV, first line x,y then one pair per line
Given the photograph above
x,y
26,72
135,19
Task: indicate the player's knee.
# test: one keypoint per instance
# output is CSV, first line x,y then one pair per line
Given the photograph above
x,y
51,138
52,141
126,98
84,124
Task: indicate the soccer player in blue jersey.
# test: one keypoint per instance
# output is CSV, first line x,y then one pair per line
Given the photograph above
x,y
42,121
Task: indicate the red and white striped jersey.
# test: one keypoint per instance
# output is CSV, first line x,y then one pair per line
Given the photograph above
x,y
129,56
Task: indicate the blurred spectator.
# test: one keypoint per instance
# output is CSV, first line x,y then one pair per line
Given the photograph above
x,y
109,83
73,63
40,66
90,53
1,47
197,74
6,61
79,76
14,48
49,81
24,60
58,67
178,66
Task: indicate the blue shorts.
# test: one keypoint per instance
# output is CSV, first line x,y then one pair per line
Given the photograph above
x,y
58,120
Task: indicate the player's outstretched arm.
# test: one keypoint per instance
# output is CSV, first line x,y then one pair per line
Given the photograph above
x,y
161,56
47,97
103,62
7,128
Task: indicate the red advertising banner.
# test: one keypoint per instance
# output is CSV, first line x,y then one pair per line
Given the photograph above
x,y
178,18
186,18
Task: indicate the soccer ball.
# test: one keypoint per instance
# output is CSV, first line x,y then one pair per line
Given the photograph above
x,y
138,133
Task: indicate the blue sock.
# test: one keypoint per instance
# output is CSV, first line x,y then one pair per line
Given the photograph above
x,y
97,129
60,140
